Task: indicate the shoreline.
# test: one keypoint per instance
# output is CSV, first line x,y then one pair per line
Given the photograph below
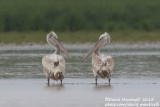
x,y
39,37
89,45
80,43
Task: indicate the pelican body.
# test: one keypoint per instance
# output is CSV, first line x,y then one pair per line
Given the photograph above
x,y
102,65
54,64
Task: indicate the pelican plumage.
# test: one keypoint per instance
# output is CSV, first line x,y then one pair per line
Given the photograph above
x,y
102,65
54,64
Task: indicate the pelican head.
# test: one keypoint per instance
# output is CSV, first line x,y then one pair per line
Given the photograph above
x,y
104,39
52,39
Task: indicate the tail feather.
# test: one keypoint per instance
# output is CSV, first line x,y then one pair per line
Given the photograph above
x,y
57,76
104,74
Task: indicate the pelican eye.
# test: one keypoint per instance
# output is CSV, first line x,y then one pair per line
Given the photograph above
x,y
55,38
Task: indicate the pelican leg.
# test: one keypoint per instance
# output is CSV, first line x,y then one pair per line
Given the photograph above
x,y
61,82
96,80
109,80
61,77
48,80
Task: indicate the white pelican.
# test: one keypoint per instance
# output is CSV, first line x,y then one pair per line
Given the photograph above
x,y
54,64
102,65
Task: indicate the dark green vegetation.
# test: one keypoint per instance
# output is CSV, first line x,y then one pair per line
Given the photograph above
x,y
79,20
73,15
80,37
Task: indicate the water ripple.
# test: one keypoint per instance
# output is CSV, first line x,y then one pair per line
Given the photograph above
x,y
130,60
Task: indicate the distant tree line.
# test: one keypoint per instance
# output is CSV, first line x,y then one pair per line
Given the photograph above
x,y
73,15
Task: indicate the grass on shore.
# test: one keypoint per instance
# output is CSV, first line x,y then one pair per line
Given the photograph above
x,y
79,37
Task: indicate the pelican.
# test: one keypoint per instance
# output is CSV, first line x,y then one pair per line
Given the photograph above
x,y
102,65
54,64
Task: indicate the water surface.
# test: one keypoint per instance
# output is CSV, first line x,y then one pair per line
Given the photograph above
x,y
131,61
23,83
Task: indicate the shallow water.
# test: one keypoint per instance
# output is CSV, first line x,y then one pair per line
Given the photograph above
x,y
75,92
23,83
131,61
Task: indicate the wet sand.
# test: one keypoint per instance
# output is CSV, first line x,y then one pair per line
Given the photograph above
x,y
75,92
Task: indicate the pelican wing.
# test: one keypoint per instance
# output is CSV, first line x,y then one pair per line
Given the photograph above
x,y
109,63
53,63
102,62
96,62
